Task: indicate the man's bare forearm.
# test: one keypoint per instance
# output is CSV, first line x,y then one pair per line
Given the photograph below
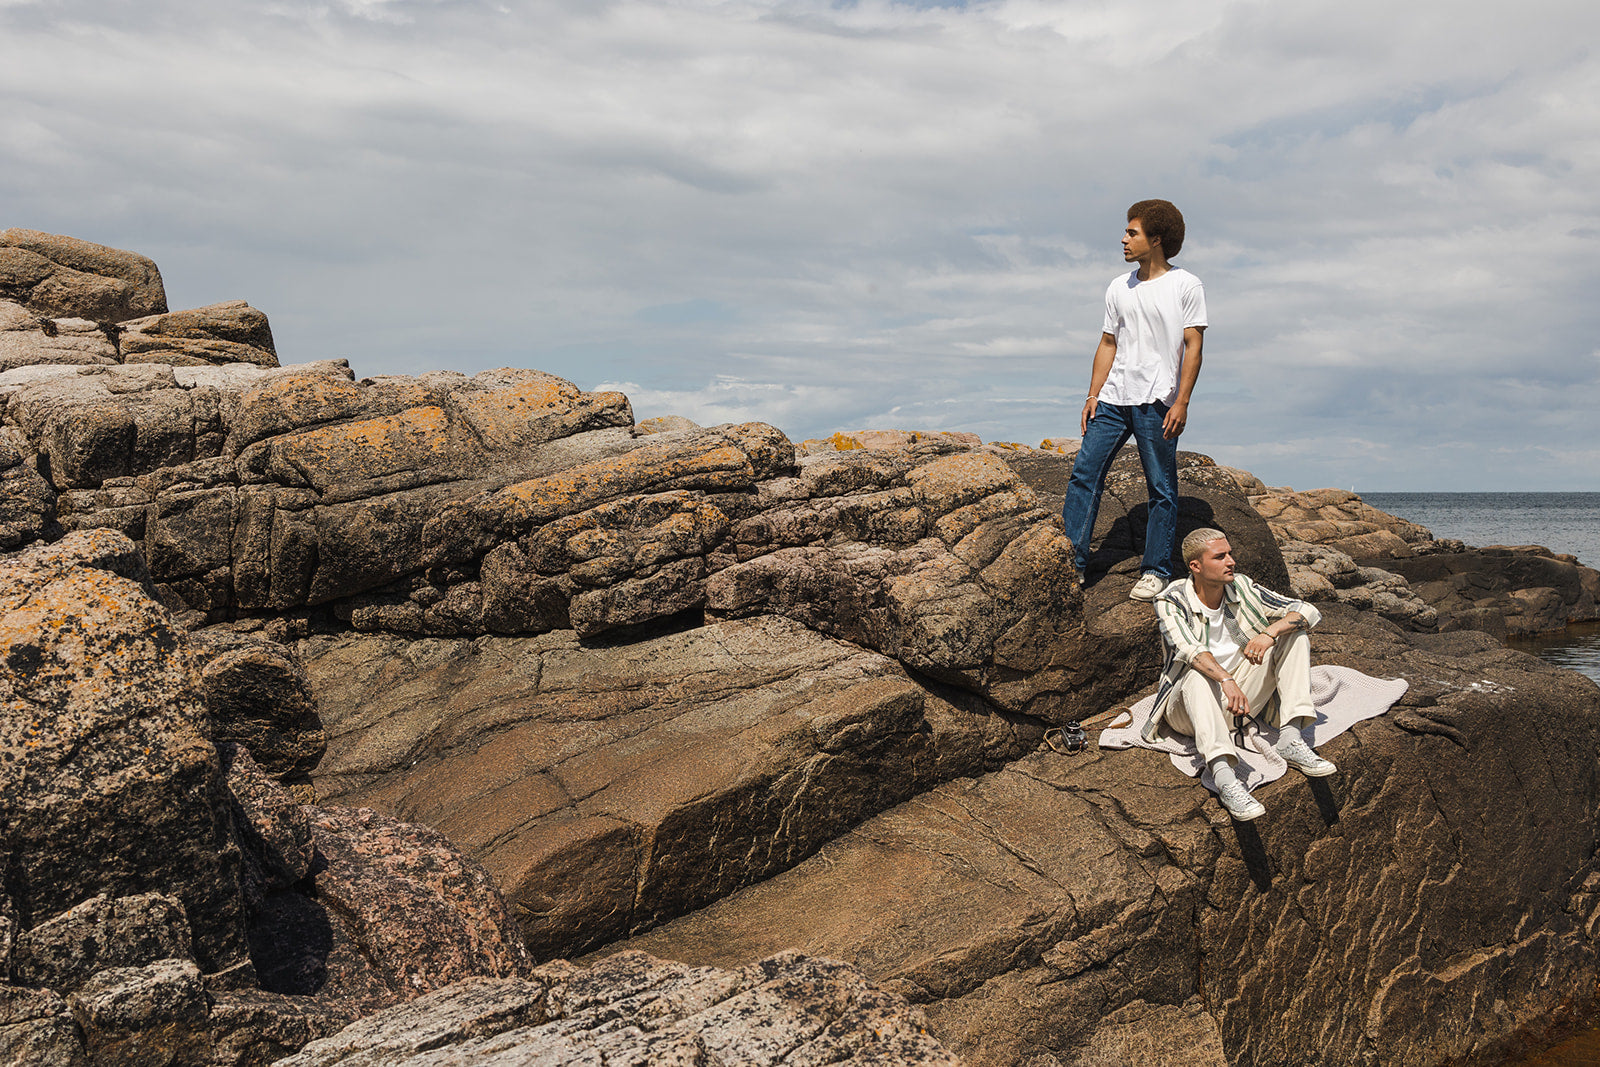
x,y
1207,665
1193,343
1104,356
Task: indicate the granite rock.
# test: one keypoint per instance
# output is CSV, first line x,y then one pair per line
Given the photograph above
x,y
631,1009
1048,911
70,277
109,785
218,334
609,788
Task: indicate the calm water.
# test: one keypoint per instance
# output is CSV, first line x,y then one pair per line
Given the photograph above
x,y
1562,522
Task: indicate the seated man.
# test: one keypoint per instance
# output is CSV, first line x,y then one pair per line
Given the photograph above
x,y
1229,646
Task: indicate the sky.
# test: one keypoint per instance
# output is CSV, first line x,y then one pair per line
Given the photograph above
x,y
834,216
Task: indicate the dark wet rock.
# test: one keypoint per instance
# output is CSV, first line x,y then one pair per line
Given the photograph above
x,y
273,830
257,694
1505,590
27,501
1022,907
608,788
634,1009
37,1030
70,277
110,785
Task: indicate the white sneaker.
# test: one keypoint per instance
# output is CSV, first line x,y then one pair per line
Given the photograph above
x,y
1147,588
1303,757
1240,804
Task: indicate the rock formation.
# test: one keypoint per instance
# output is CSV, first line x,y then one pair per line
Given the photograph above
x,y
334,700
166,900
1340,548
633,1009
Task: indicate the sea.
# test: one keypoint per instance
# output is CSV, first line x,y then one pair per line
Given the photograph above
x,y
1561,522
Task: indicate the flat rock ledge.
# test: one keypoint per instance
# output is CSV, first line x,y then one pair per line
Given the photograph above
x,y
634,1009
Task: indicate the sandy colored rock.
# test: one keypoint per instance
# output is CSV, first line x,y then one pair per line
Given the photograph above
x,y
232,332
1034,911
116,421
28,339
71,277
610,788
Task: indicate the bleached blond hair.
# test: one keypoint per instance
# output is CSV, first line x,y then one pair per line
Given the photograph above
x,y
1197,541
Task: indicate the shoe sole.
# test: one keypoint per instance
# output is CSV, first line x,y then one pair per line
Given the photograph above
x,y
1141,598
1245,818
1332,769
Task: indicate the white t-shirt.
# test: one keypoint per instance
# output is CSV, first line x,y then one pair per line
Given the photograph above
x,y
1219,642
1148,320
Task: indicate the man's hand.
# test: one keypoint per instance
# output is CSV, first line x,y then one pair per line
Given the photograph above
x,y
1234,697
1259,646
1089,408
1177,418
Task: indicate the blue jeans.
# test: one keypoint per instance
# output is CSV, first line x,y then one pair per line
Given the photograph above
x,y
1108,431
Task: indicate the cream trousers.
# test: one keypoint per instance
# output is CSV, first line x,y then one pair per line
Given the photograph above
x,y
1198,709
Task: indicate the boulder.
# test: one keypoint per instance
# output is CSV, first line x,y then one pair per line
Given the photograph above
x,y
27,501
1324,573
65,951
115,421
608,788
1340,519
218,334
1053,910
274,832
152,1016
637,1010
74,278
1504,589
1208,496
257,695
389,911
109,785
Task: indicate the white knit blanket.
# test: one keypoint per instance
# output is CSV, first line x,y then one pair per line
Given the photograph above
x,y
1343,697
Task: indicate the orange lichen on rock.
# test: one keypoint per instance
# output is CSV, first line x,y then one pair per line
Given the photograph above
x,y
371,448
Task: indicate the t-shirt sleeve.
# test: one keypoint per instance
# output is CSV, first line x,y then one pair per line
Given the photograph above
x,y
1194,305
1113,316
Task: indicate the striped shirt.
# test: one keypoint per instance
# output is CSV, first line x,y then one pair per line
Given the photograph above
x,y
1247,609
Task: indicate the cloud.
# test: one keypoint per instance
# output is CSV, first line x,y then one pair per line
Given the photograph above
x,y
880,210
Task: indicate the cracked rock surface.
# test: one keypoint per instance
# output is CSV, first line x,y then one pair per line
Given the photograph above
x,y
1429,883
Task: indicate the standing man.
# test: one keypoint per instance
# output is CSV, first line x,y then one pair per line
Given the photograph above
x,y
1144,371
1230,645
